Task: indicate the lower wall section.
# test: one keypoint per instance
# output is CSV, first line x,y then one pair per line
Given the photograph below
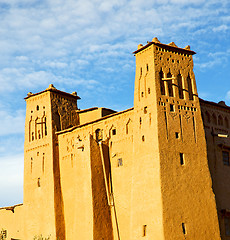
x,y
102,222
12,222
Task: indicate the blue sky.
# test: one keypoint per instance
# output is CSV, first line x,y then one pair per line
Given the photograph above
x,y
86,46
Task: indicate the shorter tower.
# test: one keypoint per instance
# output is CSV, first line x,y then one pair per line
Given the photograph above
x,y
46,112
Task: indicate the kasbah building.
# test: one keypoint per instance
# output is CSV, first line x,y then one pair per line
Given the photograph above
x,y
157,171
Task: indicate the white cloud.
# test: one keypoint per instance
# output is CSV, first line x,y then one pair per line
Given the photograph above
x,y
12,123
221,28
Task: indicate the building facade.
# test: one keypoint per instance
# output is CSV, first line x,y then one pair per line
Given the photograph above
x,y
159,170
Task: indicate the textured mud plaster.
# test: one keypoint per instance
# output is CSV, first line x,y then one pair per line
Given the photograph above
x,y
142,173
102,223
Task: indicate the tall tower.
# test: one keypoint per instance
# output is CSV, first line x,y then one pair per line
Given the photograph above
x,y
46,112
172,195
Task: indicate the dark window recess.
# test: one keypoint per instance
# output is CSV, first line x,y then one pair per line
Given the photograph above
x,y
227,226
39,182
161,76
57,120
181,158
148,90
171,108
143,138
37,107
189,82
114,131
142,94
144,230
183,228
170,87
225,156
180,87
145,110
177,134
99,135
147,67
119,162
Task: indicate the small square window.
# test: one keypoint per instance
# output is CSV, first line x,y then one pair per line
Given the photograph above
x,y
177,134
119,162
225,156
171,108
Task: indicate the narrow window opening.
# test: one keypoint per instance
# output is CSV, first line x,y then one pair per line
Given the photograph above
x,y
181,159
39,182
183,228
57,120
39,134
142,94
45,126
177,134
140,121
225,156
145,110
170,88
162,85
119,162
37,153
214,119
148,90
227,225
220,120
171,108
43,162
99,135
37,108
226,122
147,67
143,138
114,132
144,230
141,71
180,87
189,82
31,165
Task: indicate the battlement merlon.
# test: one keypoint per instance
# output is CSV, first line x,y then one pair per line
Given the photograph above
x,y
51,88
171,47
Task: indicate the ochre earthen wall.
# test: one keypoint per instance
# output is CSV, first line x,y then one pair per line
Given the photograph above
x,y
138,174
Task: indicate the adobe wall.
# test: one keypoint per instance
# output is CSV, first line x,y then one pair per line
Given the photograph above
x,y
146,210
89,191
12,220
216,123
189,208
